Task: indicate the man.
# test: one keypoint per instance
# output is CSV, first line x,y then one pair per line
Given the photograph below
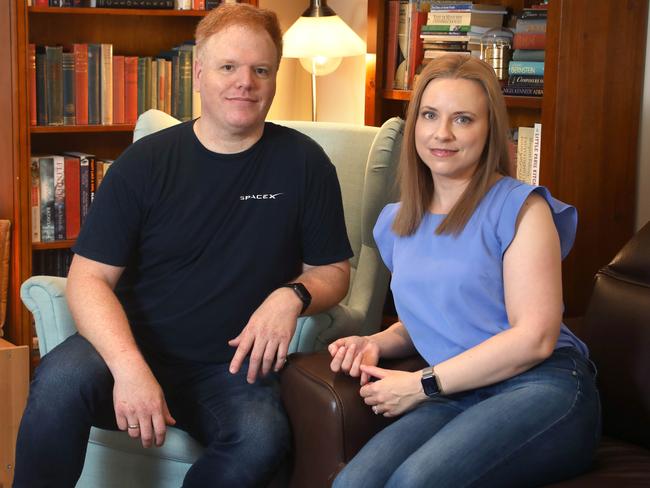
x,y
178,284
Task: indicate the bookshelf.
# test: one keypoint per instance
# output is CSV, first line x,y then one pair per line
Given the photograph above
x,y
593,84
133,32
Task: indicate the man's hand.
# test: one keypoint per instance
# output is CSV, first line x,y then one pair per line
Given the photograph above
x,y
267,334
140,407
349,353
394,393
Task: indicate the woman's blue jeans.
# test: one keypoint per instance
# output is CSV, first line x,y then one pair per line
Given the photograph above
x,y
536,428
244,427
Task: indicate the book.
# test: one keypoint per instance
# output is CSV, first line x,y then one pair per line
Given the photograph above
x,y
81,83
46,176
184,112
59,198
436,53
484,18
35,199
530,25
41,86
94,84
130,89
403,31
106,83
528,55
153,92
523,91
529,143
529,40
54,87
445,28
447,37
118,90
31,66
526,80
83,160
72,203
69,112
526,68
141,85
392,26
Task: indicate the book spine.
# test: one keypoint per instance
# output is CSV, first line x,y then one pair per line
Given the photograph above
x,y
69,112
59,198
41,88
35,199
81,83
526,68
118,90
160,85
453,5
153,103
130,89
537,153
84,188
198,4
524,80
141,83
528,55
524,154
94,84
392,26
168,89
530,25
33,119
445,28
185,85
525,91
72,203
46,173
106,83
92,177
54,89
175,85
449,18
529,40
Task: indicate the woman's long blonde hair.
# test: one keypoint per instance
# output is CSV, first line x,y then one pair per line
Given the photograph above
x,y
414,177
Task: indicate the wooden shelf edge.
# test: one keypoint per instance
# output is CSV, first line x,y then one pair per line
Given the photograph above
x,y
58,129
116,11
45,246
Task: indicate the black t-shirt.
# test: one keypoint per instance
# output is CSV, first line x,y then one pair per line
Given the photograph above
x,y
205,237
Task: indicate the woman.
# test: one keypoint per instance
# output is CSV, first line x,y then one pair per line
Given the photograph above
x,y
475,256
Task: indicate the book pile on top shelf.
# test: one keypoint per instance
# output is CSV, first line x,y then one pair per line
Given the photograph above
x,y
526,70
457,27
528,150
62,189
133,4
85,84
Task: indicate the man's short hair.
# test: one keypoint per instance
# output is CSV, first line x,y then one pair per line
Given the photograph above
x,y
241,14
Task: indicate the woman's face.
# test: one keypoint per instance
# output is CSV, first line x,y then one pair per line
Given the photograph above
x,y
452,128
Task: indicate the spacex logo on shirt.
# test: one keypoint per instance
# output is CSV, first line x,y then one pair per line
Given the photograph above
x,y
261,196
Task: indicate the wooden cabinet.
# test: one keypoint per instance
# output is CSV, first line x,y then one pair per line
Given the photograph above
x,y
132,32
593,84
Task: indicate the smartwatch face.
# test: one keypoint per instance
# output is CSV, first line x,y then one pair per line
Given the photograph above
x,y
430,386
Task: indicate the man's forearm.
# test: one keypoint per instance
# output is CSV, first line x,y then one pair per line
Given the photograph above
x,y
327,285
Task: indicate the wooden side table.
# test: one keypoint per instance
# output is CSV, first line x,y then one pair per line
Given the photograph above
x,y
14,384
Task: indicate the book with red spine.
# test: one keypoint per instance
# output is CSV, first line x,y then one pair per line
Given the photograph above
x,y
81,83
529,40
416,48
130,89
118,90
72,201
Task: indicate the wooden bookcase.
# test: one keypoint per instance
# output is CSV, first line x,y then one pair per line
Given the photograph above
x,y
593,85
132,32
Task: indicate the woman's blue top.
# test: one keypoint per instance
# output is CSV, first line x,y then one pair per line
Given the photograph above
x,y
448,290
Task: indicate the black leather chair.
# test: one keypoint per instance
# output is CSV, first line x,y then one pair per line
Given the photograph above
x,y
331,423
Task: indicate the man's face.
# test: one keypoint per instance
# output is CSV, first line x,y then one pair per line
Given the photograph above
x,y
236,74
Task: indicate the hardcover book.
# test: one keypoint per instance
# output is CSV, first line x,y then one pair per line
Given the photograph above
x,y
59,198
94,84
81,83
54,88
46,176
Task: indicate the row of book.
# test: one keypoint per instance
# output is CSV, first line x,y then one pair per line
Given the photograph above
x,y
62,190
84,84
526,70
52,262
133,4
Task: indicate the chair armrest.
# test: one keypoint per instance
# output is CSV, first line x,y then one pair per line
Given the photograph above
x,y
44,296
330,421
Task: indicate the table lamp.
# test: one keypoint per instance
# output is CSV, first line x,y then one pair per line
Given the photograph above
x,y
320,38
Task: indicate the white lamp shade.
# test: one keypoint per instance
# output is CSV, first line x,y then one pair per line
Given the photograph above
x,y
328,37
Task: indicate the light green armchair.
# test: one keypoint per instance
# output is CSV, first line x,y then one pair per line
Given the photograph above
x,y
365,160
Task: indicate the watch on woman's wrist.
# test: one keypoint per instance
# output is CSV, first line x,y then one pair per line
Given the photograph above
x,y
430,383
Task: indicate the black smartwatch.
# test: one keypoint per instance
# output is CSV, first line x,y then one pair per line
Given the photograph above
x,y
302,292
430,383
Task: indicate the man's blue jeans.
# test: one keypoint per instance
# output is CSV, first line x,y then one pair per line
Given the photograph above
x,y
244,427
535,428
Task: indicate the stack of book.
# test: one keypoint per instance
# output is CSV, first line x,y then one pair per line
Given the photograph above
x,y
526,70
62,189
86,84
52,262
457,26
134,4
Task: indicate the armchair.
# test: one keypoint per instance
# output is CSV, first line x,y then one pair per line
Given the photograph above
x,y
331,423
365,158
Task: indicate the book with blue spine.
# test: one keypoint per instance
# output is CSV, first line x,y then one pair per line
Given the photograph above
x,y
526,68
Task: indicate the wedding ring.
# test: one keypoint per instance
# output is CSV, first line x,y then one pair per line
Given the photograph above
x,y
374,409
136,426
